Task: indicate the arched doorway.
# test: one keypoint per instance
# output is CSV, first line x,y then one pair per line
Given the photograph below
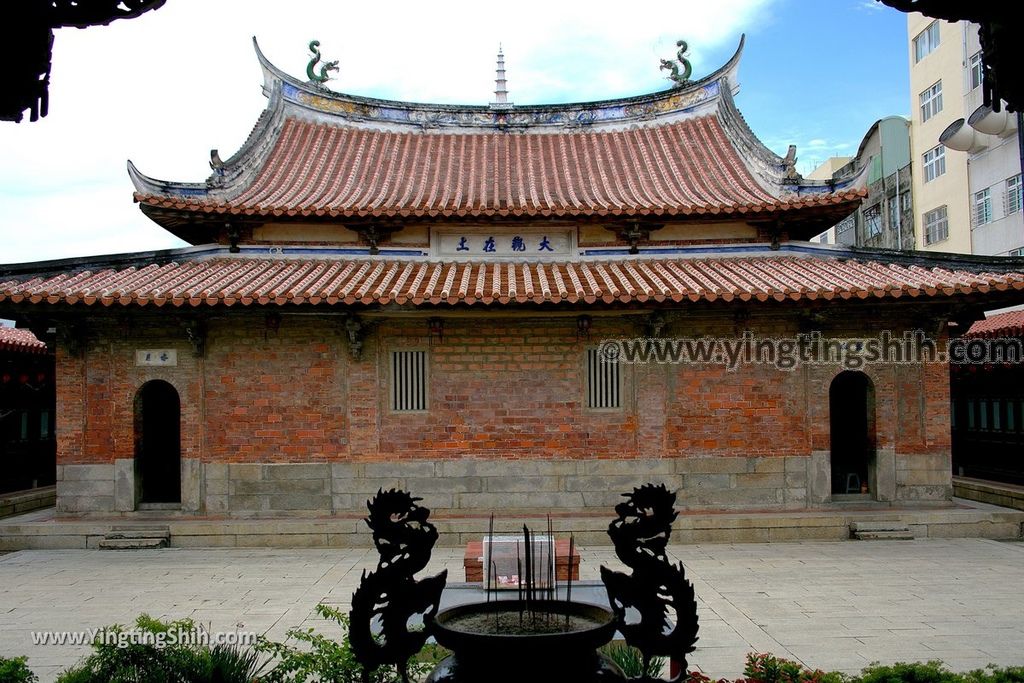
x,y
158,443
851,403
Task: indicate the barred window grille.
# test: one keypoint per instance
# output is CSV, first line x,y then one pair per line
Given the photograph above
x,y
604,381
408,381
1012,199
982,207
873,221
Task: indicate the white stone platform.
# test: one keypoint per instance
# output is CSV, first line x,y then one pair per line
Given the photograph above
x,y
830,605
961,519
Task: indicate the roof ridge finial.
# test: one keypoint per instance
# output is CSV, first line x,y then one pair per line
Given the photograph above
x,y
500,89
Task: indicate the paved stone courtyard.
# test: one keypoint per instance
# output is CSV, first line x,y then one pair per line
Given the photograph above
x,y
830,605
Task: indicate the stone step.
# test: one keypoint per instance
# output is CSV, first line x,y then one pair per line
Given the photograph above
x,y
878,525
881,531
132,543
129,532
884,536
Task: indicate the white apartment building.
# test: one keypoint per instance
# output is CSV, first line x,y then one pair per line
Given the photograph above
x,y
966,158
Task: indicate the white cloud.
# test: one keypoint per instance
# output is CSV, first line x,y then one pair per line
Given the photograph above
x,y
165,88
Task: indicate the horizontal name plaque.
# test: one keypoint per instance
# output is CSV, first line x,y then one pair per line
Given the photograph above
x,y
527,245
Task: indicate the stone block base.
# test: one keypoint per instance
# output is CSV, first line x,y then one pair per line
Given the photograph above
x,y
471,486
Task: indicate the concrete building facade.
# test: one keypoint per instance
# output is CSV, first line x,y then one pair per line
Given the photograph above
x,y
967,171
936,56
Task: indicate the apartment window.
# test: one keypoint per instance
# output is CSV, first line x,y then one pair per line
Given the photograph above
x,y
873,221
936,225
931,101
408,381
604,381
1013,194
905,203
976,72
982,207
926,41
934,163
894,213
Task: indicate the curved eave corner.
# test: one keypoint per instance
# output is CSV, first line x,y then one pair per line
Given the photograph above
x,y
778,175
232,175
145,186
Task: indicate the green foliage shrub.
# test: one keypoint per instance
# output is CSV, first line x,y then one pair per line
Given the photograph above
x,y
15,670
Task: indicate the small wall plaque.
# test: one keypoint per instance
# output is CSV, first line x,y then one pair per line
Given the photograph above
x,y
156,358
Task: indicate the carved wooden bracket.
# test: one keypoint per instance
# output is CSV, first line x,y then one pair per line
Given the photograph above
x,y
375,233
654,324
355,332
233,237
740,321
634,232
814,320
195,330
73,336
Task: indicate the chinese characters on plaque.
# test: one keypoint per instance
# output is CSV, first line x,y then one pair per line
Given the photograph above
x,y
526,245
156,358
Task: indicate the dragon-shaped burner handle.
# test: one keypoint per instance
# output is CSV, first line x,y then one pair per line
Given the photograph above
x,y
390,595
640,535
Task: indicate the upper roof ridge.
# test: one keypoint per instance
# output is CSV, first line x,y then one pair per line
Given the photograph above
x,y
697,96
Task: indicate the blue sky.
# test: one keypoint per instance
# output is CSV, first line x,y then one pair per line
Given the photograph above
x,y
164,89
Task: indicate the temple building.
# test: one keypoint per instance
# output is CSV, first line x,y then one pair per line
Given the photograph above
x,y
27,445
385,293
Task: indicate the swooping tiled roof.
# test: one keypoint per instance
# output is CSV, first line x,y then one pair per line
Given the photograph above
x,y
264,281
682,168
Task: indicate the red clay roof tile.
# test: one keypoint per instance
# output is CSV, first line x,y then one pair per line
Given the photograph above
x,y
18,340
677,169
1010,324
268,281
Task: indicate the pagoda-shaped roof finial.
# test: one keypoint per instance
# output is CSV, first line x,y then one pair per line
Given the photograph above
x,y
500,89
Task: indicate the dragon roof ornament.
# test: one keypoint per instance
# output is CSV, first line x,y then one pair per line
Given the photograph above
x,y
687,98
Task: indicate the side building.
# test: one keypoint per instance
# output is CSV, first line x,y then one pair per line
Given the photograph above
x,y
27,411
885,219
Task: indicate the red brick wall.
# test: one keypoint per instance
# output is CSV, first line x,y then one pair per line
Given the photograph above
x,y
275,396
506,388
510,389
